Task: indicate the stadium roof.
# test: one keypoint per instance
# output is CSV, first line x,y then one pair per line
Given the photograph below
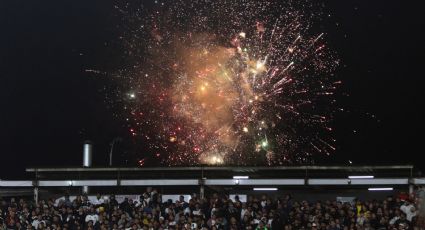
x,y
289,172
229,178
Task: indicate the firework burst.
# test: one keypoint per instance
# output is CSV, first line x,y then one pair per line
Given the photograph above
x,y
226,82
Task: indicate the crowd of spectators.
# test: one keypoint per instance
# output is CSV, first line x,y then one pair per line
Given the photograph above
x,y
214,212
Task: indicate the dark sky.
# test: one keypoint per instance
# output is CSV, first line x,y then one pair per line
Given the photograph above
x,y
49,106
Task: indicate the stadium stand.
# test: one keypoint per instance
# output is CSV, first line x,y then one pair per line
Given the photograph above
x,y
307,197
215,212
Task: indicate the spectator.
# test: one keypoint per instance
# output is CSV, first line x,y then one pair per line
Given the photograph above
x,y
92,216
112,201
408,209
99,200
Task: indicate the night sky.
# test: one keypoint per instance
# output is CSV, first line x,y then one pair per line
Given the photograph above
x,y
49,104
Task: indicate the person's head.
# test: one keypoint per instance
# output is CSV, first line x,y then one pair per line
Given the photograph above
x,y
261,224
55,218
402,226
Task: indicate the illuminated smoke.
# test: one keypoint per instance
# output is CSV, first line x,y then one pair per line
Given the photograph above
x,y
226,82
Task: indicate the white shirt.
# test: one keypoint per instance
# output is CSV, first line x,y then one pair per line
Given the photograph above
x,y
243,211
98,201
36,222
187,210
394,219
92,217
407,209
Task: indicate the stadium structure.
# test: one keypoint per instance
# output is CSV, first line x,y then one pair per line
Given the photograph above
x,y
325,181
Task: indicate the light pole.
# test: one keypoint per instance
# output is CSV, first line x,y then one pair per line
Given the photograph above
x,y
87,159
116,139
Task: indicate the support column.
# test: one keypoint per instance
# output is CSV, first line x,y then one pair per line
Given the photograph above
x,y
201,183
202,192
36,194
411,190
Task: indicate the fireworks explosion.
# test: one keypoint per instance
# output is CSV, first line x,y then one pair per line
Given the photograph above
x,y
226,82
